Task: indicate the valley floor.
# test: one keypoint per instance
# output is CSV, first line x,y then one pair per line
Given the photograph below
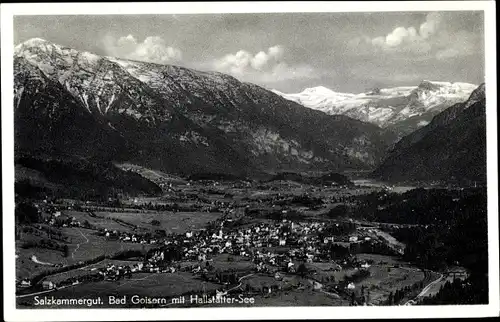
x,y
259,244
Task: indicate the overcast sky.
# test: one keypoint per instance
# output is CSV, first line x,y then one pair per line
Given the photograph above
x,y
346,52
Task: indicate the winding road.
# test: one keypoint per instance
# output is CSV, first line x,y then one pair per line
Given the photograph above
x,y
35,260
240,283
78,245
424,291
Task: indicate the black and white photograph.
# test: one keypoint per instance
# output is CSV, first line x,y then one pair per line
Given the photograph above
x,y
194,158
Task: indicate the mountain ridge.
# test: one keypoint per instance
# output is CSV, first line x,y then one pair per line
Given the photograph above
x,y
452,147
174,118
402,109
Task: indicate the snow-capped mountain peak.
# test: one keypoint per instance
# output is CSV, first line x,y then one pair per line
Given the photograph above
x,y
411,106
33,42
445,87
319,90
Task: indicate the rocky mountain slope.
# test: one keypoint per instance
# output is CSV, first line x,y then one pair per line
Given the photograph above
x,y
402,109
76,104
451,148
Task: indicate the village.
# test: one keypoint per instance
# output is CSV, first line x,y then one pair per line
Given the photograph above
x,y
273,248
229,238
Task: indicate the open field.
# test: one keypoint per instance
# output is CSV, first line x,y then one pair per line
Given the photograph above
x,y
238,263
322,271
26,267
102,221
221,263
83,245
382,259
166,285
178,222
387,274
87,245
385,278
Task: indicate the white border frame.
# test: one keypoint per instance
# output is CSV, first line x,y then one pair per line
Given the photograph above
x,y
13,314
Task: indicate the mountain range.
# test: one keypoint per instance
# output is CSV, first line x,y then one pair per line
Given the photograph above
x,y
75,104
452,147
401,109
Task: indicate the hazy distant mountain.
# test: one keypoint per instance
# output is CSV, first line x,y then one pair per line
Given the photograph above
x,y
402,109
77,104
450,148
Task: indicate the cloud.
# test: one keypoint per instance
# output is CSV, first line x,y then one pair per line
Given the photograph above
x,y
242,62
153,49
409,38
435,37
431,24
265,66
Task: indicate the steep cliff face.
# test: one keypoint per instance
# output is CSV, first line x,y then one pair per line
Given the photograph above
x,y
175,119
452,147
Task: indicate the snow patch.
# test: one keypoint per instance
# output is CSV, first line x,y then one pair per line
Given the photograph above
x,y
84,98
422,123
110,102
18,94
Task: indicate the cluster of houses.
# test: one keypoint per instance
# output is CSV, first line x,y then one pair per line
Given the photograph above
x,y
59,220
128,237
270,246
273,246
112,272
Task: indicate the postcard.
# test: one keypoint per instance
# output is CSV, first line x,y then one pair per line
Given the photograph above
x,y
240,160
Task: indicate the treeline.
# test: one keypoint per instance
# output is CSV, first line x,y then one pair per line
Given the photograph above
x,y
339,229
115,206
327,179
83,179
406,292
307,201
26,213
451,229
473,290
338,211
462,238
418,206
47,244
214,177
217,192
24,188
44,231
175,207
277,215
338,252
170,253
451,225
357,276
